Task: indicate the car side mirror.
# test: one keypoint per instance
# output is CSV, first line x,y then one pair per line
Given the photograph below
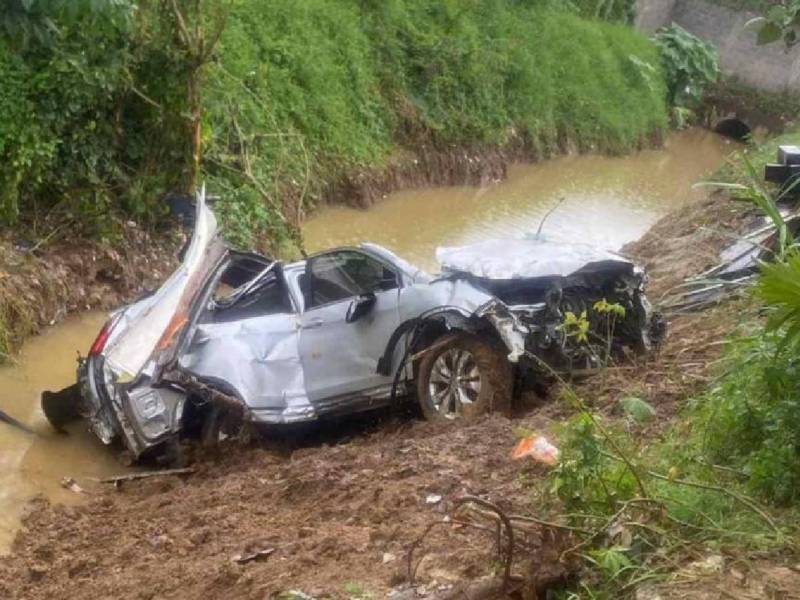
x,y
360,306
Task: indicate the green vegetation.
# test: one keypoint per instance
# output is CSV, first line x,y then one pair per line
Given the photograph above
x,y
96,122
620,11
780,22
737,171
690,65
726,473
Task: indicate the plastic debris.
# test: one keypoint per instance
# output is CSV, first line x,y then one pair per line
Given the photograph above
x,y
68,483
538,448
433,499
255,554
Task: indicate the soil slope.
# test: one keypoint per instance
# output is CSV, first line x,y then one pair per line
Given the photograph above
x,y
40,285
334,509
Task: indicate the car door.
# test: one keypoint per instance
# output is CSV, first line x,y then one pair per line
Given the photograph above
x,y
247,341
338,357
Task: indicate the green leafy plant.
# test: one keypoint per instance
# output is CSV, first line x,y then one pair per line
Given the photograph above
x,y
612,562
576,326
637,409
690,64
752,418
779,287
609,312
780,22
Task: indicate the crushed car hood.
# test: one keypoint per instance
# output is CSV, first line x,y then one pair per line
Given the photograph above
x,y
526,259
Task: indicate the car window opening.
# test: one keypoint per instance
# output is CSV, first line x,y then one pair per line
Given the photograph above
x,y
342,275
248,288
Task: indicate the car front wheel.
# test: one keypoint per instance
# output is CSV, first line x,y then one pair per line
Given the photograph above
x,y
463,375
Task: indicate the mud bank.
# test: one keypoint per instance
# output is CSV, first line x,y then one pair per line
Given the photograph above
x,y
431,166
39,287
338,517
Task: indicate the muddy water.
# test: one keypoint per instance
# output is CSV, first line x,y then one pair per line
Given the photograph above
x,y
30,464
596,199
608,201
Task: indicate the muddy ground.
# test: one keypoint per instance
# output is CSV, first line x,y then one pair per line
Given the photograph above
x,y
333,510
43,280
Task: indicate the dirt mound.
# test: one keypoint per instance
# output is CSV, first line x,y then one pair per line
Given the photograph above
x,y
334,520
40,286
688,241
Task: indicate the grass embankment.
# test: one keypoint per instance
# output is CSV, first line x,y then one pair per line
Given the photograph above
x,y
301,100
342,87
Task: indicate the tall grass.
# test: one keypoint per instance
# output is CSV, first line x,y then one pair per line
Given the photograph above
x,y
323,86
301,92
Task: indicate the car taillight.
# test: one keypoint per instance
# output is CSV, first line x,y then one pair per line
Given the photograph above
x,y
102,338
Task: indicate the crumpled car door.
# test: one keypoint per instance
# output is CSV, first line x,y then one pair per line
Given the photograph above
x,y
253,355
341,358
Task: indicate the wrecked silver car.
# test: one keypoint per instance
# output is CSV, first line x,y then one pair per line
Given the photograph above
x,y
237,335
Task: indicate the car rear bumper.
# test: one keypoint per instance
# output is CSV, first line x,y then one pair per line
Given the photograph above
x,y
95,404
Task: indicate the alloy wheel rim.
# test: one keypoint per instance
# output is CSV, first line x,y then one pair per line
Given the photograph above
x,y
454,383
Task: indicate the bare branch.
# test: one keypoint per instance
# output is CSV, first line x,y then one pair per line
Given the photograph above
x,y
182,30
222,20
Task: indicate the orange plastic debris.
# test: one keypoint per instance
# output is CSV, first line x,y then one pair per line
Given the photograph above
x,y
538,448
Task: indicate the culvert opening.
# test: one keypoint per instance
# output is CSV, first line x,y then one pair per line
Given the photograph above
x,y
733,128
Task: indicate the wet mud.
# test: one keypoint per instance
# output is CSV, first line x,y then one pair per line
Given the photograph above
x,y
337,516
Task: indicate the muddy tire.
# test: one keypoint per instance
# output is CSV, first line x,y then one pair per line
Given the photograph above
x,y
219,425
61,407
463,376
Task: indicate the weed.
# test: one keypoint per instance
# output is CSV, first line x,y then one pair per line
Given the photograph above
x,y
690,65
356,591
736,170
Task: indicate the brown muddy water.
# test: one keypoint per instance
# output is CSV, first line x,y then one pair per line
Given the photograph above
x,y
607,201
30,464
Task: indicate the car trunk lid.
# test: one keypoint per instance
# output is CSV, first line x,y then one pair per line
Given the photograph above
x,y
154,332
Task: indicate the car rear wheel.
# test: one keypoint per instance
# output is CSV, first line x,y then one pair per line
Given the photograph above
x,y
463,376
220,425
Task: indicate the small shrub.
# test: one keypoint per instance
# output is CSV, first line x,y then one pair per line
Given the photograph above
x,y
752,419
690,64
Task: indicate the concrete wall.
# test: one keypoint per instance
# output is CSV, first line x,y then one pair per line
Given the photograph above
x,y
652,14
764,67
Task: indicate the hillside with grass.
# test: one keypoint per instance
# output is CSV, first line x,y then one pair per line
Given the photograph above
x,y
108,106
